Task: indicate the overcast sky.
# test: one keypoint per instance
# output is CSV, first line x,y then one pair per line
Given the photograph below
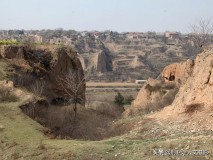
x,y
116,15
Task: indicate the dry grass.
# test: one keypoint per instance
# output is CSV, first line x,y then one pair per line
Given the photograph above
x,y
41,146
3,68
115,84
6,95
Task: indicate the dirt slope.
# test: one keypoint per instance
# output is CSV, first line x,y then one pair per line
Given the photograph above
x,y
192,107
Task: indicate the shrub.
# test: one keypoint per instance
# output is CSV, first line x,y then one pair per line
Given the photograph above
x,y
159,87
169,85
193,107
128,100
166,100
153,88
119,99
24,80
107,109
8,42
169,97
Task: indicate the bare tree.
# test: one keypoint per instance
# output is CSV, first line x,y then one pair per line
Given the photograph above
x,y
73,84
201,34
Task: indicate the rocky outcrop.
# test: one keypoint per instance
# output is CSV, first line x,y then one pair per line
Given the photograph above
x,y
103,61
178,72
194,101
145,96
198,87
84,61
156,94
48,64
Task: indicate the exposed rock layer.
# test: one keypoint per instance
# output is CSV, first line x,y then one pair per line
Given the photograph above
x,y
48,64
178,72
192,106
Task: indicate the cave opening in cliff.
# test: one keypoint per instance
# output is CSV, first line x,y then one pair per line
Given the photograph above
x,y
171,77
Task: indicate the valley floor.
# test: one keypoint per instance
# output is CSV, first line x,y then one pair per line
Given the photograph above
x,y
21,138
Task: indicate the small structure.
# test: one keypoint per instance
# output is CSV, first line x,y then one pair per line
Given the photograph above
x,y
171,35
134,35
140,81
172,38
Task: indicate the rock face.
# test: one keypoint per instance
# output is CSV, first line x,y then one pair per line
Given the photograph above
x,y
198,87
194,101
178,72
98,60
145,96
103,62
154,95
159,93
48,64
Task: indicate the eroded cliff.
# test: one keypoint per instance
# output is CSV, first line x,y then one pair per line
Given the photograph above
x,y
191,108
46,64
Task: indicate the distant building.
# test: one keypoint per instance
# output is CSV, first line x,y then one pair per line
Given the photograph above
x,y
140,81
171,35
134,35
172,38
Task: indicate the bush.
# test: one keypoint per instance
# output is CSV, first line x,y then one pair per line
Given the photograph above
x,y
128,100
153,88
8,42
166,100
193,107
119,99
159,87
169,85
23,80
108,110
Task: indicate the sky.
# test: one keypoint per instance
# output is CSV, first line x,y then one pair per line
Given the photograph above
x,y
115,15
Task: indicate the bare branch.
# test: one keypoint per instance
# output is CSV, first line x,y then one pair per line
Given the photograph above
x,y
201,32
73,83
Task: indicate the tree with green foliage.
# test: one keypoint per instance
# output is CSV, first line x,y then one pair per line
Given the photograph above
x,y
119,99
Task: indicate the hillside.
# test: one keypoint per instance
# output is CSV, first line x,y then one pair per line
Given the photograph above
x,y
116,57
128,59
192,107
